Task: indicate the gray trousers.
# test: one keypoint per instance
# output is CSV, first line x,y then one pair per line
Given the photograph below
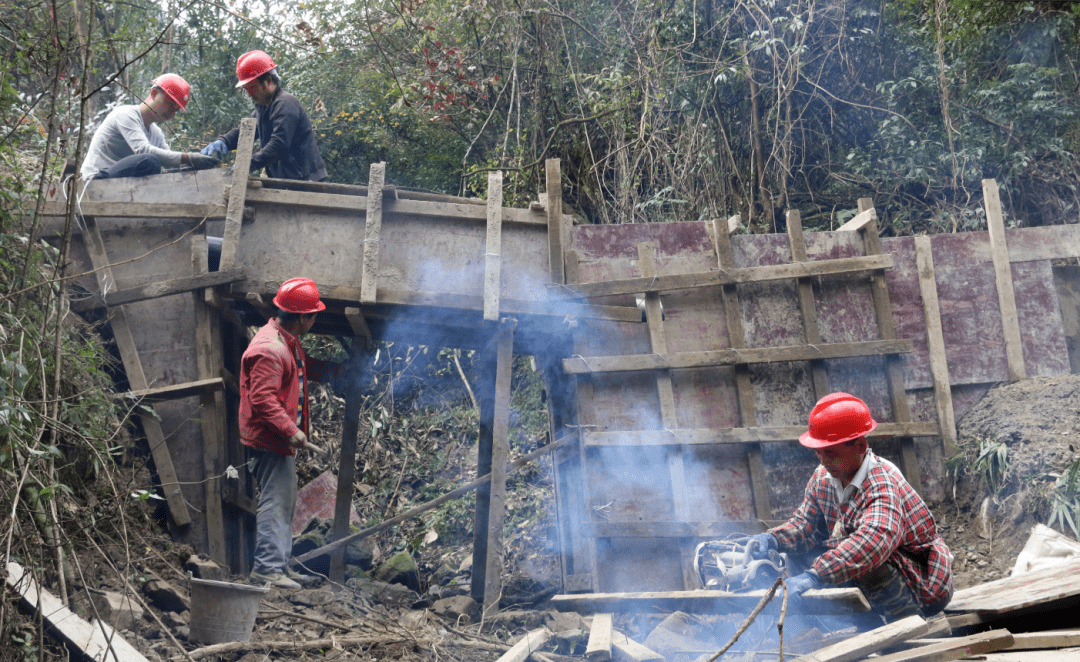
x,y
276,477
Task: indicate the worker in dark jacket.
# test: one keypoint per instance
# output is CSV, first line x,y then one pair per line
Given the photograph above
x,y
288,147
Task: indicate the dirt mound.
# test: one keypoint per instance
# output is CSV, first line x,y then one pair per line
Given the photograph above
x,y
1015,444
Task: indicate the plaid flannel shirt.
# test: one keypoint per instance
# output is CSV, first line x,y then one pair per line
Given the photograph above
x,y
884,521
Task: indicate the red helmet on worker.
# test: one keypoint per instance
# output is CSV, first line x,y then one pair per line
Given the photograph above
x,y
837,418
176,87
251,65
299,295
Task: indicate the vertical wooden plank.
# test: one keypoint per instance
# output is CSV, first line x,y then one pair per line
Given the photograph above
x,y
485,394
725,257
234,211
584,393
654,313
212,417
999,251
372,233
553,177
909,463
493,250
129,356
358,324
500,452
350,430
807,305
939,368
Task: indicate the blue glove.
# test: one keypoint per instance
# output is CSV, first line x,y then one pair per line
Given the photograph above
x,y
800,584
217,149
759,546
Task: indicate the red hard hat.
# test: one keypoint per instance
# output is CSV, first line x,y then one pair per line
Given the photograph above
x,y
251,65
176,87
299,295
836,418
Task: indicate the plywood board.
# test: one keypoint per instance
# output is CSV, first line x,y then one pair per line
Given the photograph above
x,y
1012,593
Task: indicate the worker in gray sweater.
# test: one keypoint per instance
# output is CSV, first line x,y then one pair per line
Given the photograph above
x,y
129,143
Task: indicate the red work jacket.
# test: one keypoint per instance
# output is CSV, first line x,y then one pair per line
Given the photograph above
x,y
270,373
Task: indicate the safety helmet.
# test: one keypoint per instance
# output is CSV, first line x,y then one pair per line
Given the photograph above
x,y
836,418
251,65
176,87
299,295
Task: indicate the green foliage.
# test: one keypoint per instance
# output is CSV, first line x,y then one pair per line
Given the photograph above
x,y
991,464
1064,498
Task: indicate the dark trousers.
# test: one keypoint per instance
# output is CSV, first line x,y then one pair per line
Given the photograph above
x,y
136,165
885,589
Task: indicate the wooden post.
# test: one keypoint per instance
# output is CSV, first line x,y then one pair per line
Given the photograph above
x,y
879,290
493,250
935,338
234,212
212,419
491,503
725,257
553,207
129,355
654,314
350,429
358,324
999,250
807,305
372,233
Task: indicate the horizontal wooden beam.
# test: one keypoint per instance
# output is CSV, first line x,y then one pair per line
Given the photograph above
x,y
138,209
470,302
821,601
672,529
632,362
161,289
730,276
356,205
177,391
689,437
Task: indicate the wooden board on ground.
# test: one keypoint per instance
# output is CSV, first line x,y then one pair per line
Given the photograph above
x,y
1012,593
830,600
600,638
873,641
954,649
97,640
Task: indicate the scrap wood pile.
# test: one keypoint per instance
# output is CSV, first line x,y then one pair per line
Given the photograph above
x,y
1022,618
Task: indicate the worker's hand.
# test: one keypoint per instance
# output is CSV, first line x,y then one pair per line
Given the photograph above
x,y
216,148
201,162
298,440
800,584
759,546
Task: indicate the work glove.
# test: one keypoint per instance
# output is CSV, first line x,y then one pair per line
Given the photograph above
x,y
201,162
800,584
216,148
759,546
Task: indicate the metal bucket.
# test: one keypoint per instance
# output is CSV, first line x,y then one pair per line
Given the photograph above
x,y
222,612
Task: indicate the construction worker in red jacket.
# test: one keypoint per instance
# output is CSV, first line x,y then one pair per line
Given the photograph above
x,y
861,523
288,147
274,423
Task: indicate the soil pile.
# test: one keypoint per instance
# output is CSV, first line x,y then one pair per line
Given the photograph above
x,y
1016,448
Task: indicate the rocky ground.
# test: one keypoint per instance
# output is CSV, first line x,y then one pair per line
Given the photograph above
x,y
411,602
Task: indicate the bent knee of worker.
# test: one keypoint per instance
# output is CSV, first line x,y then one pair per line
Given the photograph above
x,y
136,165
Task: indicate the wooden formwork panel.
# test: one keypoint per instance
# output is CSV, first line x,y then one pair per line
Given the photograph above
x,y
626,498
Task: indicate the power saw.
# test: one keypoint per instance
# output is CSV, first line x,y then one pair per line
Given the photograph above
x,y
729,565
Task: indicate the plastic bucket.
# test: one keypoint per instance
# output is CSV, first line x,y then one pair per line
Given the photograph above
x,y
222,612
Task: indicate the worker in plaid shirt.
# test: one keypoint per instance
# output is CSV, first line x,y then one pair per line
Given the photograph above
x,y
861,523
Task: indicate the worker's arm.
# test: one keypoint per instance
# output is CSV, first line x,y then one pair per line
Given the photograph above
x,y
807,526
130,126
875,538
264,386
232,138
